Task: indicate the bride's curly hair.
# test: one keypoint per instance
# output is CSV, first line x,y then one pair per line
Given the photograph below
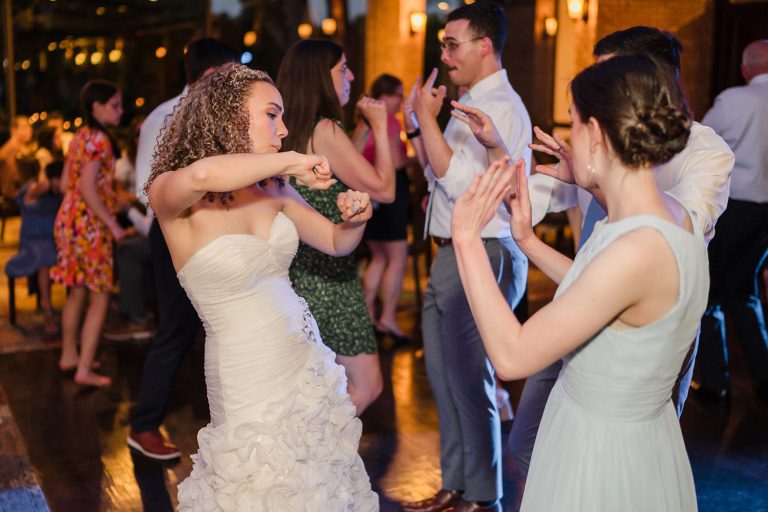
x,y
211,119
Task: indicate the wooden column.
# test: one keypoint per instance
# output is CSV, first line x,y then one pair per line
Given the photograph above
x,y
9,71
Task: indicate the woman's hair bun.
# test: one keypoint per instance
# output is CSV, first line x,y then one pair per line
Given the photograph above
x,y
657,135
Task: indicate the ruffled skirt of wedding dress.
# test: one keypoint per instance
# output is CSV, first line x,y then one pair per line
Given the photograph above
x,y
300,454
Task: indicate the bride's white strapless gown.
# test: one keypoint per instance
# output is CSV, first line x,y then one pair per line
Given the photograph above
x,y
283,434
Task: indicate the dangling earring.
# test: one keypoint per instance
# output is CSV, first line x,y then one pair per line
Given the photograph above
x,y
591,168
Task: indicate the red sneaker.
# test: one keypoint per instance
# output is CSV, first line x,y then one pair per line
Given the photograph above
x,y
152,444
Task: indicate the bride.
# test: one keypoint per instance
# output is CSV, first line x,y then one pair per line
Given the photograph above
x,y
283,433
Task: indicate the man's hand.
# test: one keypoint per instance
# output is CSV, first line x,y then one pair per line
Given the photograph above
x,y
429,100
480,123
408,111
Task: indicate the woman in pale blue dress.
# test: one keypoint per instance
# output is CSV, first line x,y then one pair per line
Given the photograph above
x,y
625,311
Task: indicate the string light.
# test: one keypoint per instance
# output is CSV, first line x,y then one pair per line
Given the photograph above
x,y
161,52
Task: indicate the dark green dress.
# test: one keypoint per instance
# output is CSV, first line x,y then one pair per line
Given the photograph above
x,y
331,285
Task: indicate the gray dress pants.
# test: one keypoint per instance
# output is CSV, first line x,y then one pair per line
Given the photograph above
x,y
460,373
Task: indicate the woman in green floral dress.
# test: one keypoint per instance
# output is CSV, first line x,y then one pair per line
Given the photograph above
x,y
315,82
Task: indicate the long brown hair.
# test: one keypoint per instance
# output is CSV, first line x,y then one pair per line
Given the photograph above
x,y
212,119
100,91
305,82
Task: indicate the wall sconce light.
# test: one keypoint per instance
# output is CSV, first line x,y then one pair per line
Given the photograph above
x,y
250,38
418,21
550,26
577,9
328,26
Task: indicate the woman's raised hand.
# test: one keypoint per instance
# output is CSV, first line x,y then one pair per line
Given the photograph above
x,y
477,206
312,171
480,123
354,206
373,111
520,205
557,147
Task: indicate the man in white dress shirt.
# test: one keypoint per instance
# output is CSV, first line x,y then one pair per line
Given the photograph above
x,y
178,324
698,177
460,374
737,253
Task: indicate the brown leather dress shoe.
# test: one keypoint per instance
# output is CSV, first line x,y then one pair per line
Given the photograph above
x,y
152,444
473,506
443,500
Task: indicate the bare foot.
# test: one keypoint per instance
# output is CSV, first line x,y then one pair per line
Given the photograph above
x,y
95,365
50,327
67,363
93,380
389,328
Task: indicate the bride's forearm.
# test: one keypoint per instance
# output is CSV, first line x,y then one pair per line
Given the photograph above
x,y
173,192
222,173
346,237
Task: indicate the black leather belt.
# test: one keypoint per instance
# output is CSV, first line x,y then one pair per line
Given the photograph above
x,y
445,242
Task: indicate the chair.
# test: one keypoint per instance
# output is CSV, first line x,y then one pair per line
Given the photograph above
x,y
8,208
17,261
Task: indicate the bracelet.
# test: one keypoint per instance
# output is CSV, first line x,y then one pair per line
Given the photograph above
x,y
413,134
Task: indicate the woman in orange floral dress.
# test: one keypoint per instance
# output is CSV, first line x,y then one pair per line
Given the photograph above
x,y
86,229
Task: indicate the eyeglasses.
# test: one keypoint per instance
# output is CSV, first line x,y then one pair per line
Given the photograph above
x,y
452,46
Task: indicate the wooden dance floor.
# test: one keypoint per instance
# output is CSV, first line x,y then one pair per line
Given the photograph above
x,y
63,449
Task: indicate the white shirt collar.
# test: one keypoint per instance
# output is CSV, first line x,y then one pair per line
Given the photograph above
x,y
488,83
